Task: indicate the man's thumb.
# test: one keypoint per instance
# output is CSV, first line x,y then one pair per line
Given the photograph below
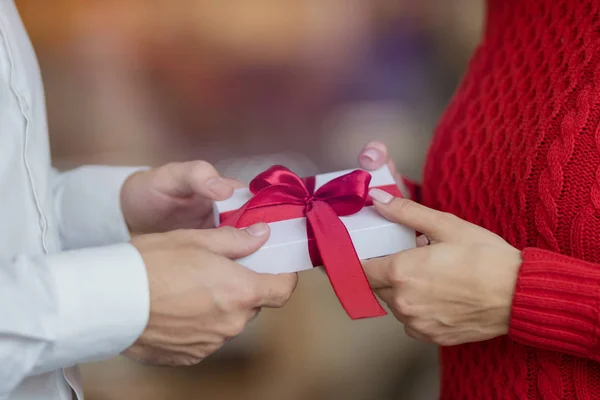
x,y
233,243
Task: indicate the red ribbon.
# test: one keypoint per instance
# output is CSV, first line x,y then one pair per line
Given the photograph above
x,y
279,194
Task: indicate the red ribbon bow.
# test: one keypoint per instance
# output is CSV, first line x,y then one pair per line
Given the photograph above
x,y
279,194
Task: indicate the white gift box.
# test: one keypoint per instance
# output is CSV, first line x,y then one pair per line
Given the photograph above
x,y
286,250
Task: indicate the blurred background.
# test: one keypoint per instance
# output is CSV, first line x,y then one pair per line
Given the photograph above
x,y
245,84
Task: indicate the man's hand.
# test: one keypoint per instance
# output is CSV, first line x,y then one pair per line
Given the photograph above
x,y
174,196
456,287
199,298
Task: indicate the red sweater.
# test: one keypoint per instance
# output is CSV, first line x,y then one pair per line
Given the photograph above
x,y
518,153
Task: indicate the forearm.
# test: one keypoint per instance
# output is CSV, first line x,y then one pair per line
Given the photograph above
x,y
59,310
87,206
556,304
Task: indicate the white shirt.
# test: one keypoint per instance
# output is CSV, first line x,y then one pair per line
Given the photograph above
x,y
71,288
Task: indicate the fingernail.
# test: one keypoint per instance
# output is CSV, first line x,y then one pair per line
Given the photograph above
x,y
381,196
259,229
371,154
423,241
218,186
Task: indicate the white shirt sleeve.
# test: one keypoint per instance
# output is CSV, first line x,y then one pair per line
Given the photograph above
x,y
77,306
88,205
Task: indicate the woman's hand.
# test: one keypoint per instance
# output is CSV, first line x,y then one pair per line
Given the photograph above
x,y
456,287
374,156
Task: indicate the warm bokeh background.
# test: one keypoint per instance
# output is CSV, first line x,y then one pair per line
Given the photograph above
x,y
245,84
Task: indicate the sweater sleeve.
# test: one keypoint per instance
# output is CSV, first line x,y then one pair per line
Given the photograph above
x,y
556,304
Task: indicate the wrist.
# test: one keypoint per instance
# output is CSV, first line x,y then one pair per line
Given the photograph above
x,y
505,290
133,226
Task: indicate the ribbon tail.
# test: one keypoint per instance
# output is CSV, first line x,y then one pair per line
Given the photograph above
x,y
341,263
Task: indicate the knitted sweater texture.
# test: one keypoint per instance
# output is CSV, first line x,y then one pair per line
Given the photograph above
x,y
518,152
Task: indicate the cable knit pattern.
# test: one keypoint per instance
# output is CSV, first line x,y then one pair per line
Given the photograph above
x,y
518,152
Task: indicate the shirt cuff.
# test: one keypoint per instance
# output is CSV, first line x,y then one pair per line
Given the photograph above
x,y
103,303
555,305
88,201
